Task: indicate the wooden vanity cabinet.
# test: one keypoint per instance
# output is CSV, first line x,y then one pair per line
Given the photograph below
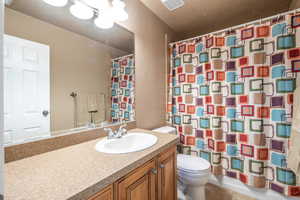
x,y
139,185
167,175
155,180
105,194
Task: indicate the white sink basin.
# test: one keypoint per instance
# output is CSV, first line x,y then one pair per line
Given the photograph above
x,y
130,142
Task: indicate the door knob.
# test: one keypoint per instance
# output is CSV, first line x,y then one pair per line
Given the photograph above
x,y
161,165
45,113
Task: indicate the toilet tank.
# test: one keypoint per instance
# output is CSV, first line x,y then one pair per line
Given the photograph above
x,y
166,129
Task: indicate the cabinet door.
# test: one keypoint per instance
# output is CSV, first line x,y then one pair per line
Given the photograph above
x,y
167,175
138,185
105,194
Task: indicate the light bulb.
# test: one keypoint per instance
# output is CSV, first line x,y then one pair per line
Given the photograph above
x,y
99,4
118,4
120,15
81,11
56,3
104,20
118,10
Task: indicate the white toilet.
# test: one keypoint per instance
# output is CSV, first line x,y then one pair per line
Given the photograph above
x,y
193,173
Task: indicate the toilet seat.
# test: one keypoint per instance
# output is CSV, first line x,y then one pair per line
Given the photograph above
x,y
194,173
192,165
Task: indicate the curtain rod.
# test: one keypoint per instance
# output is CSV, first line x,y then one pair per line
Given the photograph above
x,y
122,57
238,26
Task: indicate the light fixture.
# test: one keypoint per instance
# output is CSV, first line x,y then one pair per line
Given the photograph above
x,y
56,3
81,10
85,9
104,20
118,4
120,15
118,10
98,4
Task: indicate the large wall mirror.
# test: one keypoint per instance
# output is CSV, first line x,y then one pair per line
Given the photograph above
x,y
63,74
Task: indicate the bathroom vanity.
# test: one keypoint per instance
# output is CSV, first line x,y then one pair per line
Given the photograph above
x,y
155,179
81,172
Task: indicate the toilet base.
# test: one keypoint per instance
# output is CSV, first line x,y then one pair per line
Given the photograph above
x,y
195,193
180,195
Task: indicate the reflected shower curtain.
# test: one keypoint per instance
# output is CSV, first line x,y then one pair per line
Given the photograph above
x,y
231,96
122,89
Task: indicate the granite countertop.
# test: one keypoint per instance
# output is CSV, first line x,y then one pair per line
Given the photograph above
x,y
75,172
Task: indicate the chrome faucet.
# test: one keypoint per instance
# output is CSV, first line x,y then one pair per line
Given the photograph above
x,y
110,133
116,134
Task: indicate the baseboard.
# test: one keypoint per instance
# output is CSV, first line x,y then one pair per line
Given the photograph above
x,y
237,186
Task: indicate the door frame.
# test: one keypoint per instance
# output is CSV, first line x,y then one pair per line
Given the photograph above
x,y
1,98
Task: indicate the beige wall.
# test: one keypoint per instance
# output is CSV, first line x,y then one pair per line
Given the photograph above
x,y
294,4
77,63
150,64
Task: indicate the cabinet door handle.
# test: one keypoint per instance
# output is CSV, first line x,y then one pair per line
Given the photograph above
x,y
154,171
161,165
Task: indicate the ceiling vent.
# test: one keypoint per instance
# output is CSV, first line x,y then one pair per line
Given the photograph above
x,y
173,4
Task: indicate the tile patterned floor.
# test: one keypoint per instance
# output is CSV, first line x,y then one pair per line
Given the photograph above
x,y
214,192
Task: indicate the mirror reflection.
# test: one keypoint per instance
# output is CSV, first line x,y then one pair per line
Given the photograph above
x,y
63,74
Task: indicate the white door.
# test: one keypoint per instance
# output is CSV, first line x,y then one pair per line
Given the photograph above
x,y
26,90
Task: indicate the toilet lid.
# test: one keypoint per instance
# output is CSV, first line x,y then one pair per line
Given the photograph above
x,y
192,163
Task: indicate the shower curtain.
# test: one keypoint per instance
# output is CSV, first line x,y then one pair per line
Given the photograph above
x,y
122,89
230,98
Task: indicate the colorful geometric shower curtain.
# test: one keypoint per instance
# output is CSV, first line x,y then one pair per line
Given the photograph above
x,y
122,92
231,96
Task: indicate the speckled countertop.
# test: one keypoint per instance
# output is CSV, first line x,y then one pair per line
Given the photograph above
x,y
74,172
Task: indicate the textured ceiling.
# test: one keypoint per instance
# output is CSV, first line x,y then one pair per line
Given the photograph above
x,y
116,37
197,17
